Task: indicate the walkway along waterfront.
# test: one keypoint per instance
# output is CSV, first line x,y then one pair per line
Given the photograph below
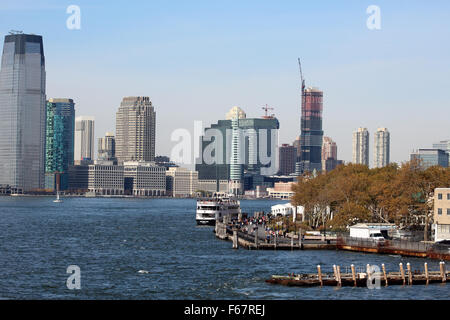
x,y
254,240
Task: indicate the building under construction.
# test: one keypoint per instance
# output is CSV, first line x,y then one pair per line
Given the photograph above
x,y
311,136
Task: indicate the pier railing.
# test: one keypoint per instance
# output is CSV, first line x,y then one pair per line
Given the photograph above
x,y
403,245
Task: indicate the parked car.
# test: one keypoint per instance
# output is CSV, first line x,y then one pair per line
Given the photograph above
x,y
377,237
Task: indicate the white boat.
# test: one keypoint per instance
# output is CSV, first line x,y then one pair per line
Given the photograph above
x,y
57,198
210,209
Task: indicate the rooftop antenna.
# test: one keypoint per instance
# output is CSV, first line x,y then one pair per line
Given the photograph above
x,y
12,32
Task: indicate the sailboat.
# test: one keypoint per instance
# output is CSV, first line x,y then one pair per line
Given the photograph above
x,y
57,190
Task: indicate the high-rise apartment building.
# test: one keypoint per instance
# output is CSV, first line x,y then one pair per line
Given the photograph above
x,y
287,157
22,112
311,131
107,147
135,130
59,142
382,147
84,138
361,146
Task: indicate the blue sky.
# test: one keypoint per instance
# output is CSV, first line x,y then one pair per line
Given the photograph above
x,y
197,59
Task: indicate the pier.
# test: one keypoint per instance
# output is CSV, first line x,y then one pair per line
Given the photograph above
x,y
256,240
405,276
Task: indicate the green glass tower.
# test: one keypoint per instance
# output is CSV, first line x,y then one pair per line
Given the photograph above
x,y
59,142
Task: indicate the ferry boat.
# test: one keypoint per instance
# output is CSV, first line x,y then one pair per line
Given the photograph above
x,y
210,209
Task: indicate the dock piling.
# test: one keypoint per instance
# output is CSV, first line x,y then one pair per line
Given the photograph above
x,y
235,239
442,269
384,274
410,280
338,270
319,273
402,273
426,272
353,275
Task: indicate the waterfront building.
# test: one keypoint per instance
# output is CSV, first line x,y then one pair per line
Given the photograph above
x,y
181,182
78,178
281,190
431,157
382,147
135,130
22,112
84,138
247,143
212,185
59,142
106,179
361,146
107,147
144,178
441,214
164,161
311,131
288,158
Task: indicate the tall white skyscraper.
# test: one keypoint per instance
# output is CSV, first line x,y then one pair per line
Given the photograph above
x,y
22,112
84,138
361,146
135,130
382,148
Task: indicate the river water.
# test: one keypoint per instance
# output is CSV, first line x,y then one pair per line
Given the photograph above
x,y
152,249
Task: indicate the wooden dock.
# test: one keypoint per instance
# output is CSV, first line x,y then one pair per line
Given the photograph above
x,y
364,279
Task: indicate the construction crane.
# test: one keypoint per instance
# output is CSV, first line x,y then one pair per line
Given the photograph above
x,y
267,108
302,84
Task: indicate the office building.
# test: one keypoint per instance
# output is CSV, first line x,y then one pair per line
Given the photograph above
x,y
135,130
431,157
329,154
382,147
288,158
311,131
144,179
84,138
443,145
361,146
181,182
107,147
244,154
22,112
59,142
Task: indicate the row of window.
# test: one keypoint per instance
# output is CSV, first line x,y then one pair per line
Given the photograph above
x,y
440,196
440,211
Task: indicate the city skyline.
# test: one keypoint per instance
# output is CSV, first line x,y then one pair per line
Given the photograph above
x,y
380,68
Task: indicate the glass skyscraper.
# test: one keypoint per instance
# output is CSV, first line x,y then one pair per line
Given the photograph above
x,y
59,141
22,112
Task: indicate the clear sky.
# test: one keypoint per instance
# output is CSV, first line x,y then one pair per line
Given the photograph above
x,y
197,59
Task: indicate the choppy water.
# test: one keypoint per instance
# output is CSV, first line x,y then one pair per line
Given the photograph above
x,y
152,249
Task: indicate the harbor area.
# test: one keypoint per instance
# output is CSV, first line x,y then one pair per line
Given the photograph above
x,y
262,232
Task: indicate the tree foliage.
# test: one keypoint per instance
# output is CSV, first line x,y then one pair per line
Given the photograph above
x,y
355,193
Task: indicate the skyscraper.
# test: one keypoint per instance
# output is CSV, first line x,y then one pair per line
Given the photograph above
x,y
135,130
329,153
59,142
382,148
361,146
84,138
311,130
287,158
22,112
107,147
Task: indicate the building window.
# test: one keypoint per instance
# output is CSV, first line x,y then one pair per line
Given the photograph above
x,y
448,211
440,211
440,196
448,196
